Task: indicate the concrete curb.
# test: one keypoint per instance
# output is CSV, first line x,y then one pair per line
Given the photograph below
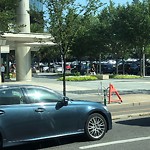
x,y
131,104
127,116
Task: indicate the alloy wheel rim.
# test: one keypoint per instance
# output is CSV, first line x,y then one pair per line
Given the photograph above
x,y
96,127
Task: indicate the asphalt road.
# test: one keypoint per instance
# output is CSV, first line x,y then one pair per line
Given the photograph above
x,y
129,110
130,134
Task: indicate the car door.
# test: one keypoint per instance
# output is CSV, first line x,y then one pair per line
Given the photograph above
x,y
16,116
63,120
53,120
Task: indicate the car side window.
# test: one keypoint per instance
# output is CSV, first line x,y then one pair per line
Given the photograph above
x,y
42,96
11,96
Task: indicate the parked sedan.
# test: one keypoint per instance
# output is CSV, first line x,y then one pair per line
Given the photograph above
x,y
29,113
107,68
129,68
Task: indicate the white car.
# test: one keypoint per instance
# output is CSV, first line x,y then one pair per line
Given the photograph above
x,y
58,69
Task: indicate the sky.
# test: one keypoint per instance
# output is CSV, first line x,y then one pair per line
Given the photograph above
x,y
117,1
121,2
107,1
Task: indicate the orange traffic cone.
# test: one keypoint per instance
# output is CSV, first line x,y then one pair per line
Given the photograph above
x,y
112,90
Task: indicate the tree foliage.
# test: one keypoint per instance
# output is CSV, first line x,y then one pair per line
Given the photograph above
x,y
37,21
7,14
64,23
119,31
122,31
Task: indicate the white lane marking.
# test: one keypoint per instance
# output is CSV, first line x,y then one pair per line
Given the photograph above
x,y
115,142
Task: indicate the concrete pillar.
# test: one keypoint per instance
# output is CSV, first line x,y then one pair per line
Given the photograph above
x,y
23,16
23,54
23,63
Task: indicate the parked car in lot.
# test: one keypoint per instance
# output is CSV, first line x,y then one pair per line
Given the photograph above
x,y
107,68
58,69
129,68
29,113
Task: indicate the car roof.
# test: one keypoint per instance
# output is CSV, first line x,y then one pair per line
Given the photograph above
x,y
7,86
18,85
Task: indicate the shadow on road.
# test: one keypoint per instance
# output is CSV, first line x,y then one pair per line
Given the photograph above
x,y
49,143
145,122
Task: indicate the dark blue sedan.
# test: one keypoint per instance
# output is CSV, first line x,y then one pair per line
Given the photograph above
x,y
29,113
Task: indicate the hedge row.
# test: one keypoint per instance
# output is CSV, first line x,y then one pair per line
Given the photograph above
x,y
97,77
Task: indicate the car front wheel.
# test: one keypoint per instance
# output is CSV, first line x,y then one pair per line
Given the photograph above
x,y
95,127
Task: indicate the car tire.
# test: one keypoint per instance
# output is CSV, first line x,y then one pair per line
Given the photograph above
x,y
95,127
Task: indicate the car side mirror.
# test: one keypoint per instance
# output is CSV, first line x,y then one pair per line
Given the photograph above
x,y
65,100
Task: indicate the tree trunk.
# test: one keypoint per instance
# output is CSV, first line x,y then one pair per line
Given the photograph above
x,y
143,62
100,67
116,65
64,74
123,66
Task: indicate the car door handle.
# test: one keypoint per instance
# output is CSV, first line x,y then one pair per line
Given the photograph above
x,y
39,110
1,112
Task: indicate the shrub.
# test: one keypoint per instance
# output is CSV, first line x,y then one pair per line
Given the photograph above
x,y
77,73
96,77
124,76
79,78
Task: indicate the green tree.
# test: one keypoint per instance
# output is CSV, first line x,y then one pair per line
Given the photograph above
x,y
37,21
118,46
7,14
64,23
85,45
133,23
